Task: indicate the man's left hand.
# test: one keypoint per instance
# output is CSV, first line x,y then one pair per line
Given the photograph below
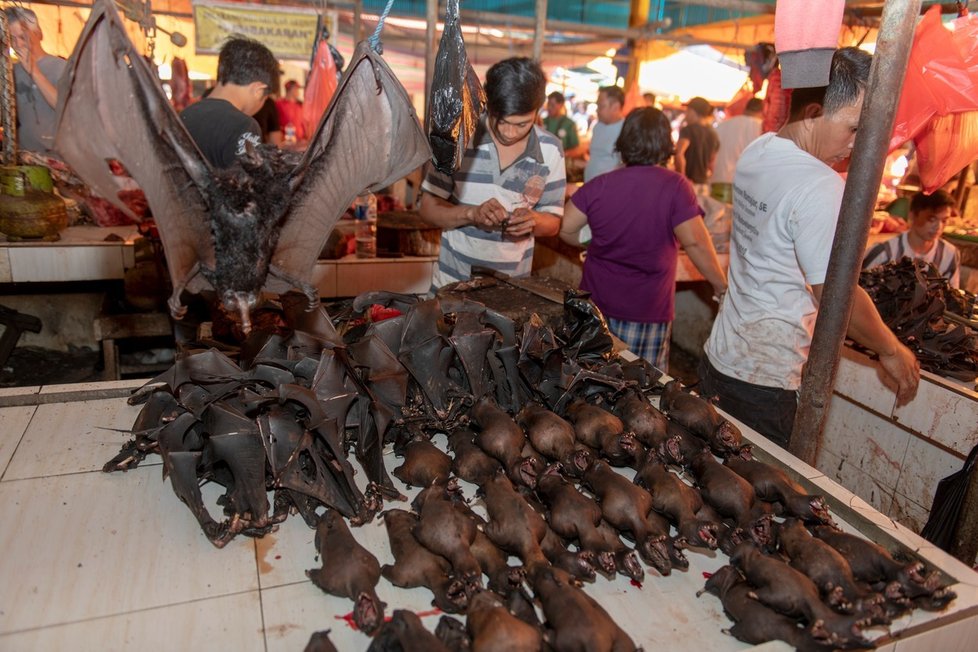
x,y
521,224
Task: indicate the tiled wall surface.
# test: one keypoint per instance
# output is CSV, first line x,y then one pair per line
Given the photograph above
x,y
893,457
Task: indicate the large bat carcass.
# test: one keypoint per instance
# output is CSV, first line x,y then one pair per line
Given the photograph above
x,y
259,225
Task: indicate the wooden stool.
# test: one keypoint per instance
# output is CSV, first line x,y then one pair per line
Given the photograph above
x,y
110,328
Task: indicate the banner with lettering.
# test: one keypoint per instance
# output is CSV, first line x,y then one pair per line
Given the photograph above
x,y
289,32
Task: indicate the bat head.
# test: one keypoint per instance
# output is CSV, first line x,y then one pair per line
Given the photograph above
x,y
241,303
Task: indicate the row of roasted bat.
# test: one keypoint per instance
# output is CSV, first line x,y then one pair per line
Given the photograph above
x,y
535,512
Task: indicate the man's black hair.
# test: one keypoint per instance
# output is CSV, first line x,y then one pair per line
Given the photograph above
x,y
645,138
613,93
847,79
243,61
557,96
515,86
754,105
934,201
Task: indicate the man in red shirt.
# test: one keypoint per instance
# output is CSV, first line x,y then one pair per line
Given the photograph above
x,y
290,113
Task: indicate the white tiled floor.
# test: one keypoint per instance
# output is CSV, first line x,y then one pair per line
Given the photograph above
x,y
96,561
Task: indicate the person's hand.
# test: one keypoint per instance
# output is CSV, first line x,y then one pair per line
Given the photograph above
x,y
901,373
521,223
488,216
25,60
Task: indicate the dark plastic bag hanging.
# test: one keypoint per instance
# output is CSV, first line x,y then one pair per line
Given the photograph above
x,y
585,329
948,501
457,98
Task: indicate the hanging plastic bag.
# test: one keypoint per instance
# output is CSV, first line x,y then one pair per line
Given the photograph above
x,y
948,500
938,80
944,147
320,87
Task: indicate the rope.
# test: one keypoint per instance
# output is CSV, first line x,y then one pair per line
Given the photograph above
x,y
374,39
8,104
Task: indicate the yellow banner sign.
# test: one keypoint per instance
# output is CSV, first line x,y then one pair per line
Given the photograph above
x,y
289,32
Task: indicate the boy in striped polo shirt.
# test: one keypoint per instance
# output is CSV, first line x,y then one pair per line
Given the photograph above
x,y
510,184
928,215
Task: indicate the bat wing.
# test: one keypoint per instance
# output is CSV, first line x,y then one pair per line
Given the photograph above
x,y
369,137
111,107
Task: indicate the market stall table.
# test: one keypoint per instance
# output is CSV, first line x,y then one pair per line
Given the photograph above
x,y
115,561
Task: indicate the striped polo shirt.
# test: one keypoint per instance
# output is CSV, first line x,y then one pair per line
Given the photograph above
x,y
535,180
944,256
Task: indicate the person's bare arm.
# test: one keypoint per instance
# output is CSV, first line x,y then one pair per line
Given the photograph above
x,y
570,227
900,366
695,239
275,138
446,215
680,159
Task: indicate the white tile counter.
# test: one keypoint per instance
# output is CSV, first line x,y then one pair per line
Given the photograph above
x,y
82,254
96,561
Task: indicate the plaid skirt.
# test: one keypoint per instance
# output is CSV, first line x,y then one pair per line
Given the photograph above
x,y
649,340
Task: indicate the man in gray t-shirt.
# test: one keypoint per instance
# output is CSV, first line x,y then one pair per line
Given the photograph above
x,y
603,157
36,75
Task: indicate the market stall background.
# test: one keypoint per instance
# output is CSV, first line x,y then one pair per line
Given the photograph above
x,y
578,32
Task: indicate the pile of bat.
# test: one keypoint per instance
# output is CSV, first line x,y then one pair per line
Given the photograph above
x,y
551,499
911,297
284,416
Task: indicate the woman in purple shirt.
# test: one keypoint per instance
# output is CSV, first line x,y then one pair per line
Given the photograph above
x,y
638,216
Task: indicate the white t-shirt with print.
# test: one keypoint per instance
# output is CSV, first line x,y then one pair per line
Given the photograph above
x,y
786,205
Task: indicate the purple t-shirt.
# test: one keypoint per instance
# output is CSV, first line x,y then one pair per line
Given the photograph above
x,y
630,268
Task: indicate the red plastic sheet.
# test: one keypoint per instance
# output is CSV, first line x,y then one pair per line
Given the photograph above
x,y
940,97
320,88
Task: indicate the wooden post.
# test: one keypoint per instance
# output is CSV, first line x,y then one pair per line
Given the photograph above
x,y
431,15
357,21
637,18
540,30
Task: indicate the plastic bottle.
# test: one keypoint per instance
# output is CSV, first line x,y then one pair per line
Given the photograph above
x,y
290,133
366,225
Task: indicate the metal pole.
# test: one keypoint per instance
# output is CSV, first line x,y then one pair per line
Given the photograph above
x,y
858,200
431,15
540,30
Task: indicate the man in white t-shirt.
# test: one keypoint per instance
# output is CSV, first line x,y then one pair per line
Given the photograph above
x,y
928,215
786,204
735,134
603,157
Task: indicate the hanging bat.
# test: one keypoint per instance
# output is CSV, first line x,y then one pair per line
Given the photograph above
x,y
259,225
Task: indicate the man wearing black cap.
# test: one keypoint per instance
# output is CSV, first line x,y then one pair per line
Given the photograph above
x,y
698,143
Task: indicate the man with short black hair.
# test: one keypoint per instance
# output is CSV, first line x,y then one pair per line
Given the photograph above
x,y
698,144
786,205
604,157
509,186
559,124
222,124
36,76
928,215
